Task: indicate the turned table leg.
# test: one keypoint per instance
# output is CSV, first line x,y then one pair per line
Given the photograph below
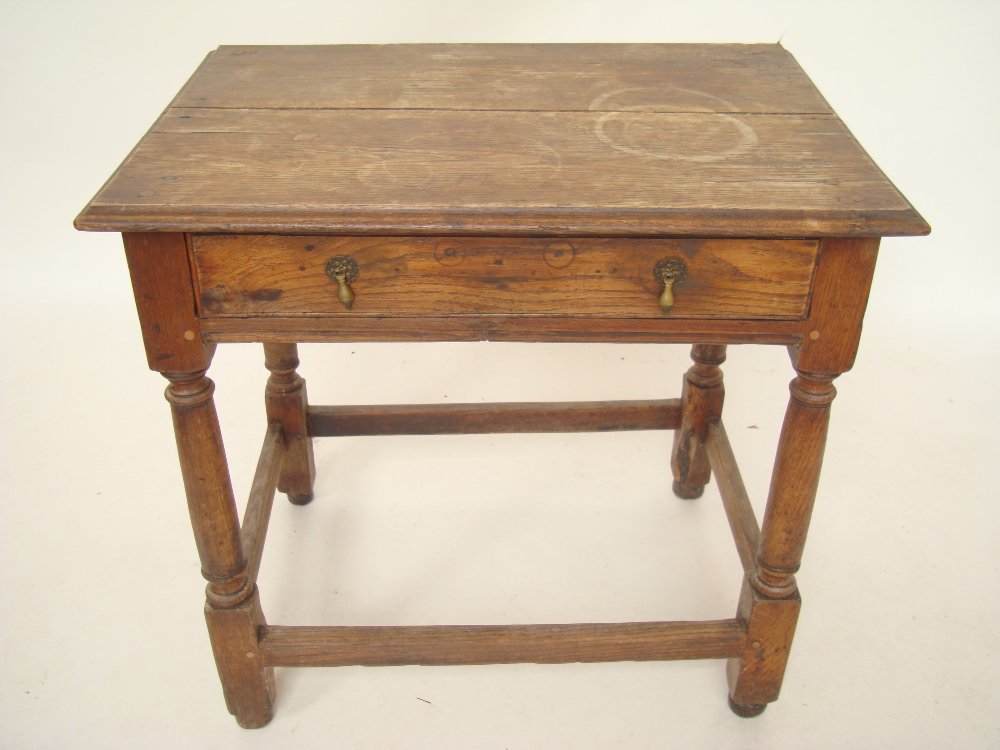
x,y
701,400
232,609
286,402
769,602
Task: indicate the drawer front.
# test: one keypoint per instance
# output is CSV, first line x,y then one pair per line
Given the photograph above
x,y
248,275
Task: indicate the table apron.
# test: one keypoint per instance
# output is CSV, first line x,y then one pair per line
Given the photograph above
x,y
515,328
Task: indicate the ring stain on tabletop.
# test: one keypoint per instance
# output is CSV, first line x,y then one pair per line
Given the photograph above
x,y
671,123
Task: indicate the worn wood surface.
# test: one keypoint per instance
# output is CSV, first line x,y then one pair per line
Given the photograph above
x,y
755,677
247,682
566,328
702,394
164,298
794,482
500,644
769,603
209,490
709,140
500,192
840,296
677,77
275,275
232,609
258,510
739,511
450,419
286,400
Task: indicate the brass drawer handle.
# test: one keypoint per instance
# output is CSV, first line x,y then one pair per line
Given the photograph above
x,y
344,270
669,273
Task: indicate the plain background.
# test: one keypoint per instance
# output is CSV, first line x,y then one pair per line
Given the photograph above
x,y
103,641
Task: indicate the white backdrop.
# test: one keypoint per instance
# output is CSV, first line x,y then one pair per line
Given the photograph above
x,y
103,643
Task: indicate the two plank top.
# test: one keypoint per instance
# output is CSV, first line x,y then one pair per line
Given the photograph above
x,y
535,139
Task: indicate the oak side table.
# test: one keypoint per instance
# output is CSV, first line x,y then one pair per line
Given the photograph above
x,y
702,194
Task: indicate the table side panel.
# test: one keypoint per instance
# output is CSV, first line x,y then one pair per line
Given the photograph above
x,y
239,275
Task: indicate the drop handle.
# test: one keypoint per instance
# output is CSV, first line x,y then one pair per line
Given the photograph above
x,y
344,270
669,273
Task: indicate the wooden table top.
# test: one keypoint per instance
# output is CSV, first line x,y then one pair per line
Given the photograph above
x,y
536,139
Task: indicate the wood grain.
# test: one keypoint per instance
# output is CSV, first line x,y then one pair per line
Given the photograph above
x,y
286,400
447,172
500,644
794,481
262,489
269,275
683,140
232,609
247,682
508,193
755,678
208,488
500,328
702,394
684,77
164,298
467,419
840,296
739,511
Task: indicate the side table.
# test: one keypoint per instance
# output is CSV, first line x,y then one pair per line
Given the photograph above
x,y
701,194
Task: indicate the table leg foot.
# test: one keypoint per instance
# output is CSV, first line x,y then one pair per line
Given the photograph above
x,y
747,712
769,602
300,499
687,493
232,609
755,677
247,684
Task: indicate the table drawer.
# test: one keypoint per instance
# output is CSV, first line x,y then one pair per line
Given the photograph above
x,y
248,275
